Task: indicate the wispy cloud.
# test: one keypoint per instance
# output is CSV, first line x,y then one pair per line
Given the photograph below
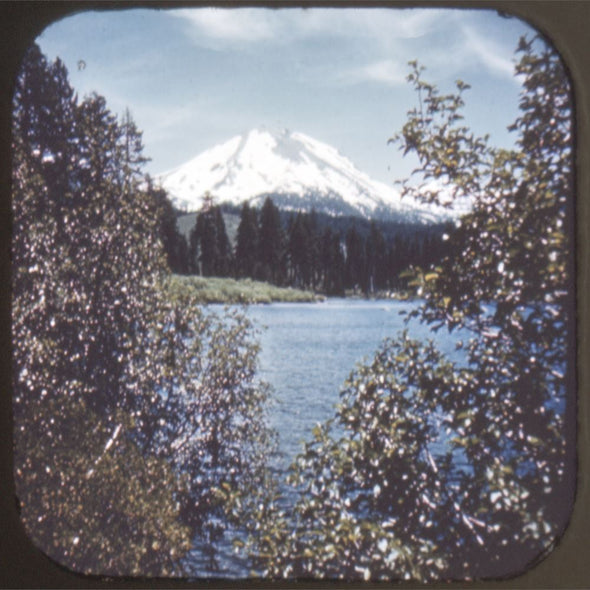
x,y
385,25
251,25
387,72
494,57
376,34
234,25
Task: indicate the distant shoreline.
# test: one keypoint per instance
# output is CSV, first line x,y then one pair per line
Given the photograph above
x,y
208,290
235,291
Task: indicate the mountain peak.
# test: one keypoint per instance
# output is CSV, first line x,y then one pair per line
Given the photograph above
x,y
298,171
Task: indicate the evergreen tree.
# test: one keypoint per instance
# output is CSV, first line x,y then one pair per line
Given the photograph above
x,y
99,134
223,261
313,247
355,270
376,253
332,263
131,152
300,252
49,131
196,238
174,244
210,245
247,243
271,244
395,262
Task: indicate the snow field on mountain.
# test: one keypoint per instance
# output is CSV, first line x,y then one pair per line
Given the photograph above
x,y
304,170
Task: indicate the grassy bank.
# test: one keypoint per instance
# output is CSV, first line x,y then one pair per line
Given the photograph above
x,y
218,290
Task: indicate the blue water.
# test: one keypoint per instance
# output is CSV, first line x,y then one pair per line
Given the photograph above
x,y
309,350
307,353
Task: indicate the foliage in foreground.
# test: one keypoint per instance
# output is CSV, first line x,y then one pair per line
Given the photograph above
x,y
432,470
139,425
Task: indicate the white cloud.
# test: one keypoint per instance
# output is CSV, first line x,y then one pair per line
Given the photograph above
x,y
386,71
491,55
241,25
385,25
377,25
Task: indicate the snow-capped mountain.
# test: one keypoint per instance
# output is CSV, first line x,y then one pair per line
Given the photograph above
x,y
299,172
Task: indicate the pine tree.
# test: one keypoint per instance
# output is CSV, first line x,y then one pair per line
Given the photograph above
x,y
174,243
247,243
194,247
271,244
131,153
208,242
395,261
299,252
355,270
223,262
49,130
210,245
313,247
332,263
376,252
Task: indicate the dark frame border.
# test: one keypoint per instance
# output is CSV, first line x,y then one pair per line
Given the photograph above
x,y
565,23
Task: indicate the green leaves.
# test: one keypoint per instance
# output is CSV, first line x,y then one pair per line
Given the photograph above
x,y
139,424
445,150
434,471
502,254
353,489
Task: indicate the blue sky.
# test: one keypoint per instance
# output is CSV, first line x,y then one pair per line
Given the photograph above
x,y
193,78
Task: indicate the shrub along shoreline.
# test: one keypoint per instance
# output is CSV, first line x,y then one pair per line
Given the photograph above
x,y
226,290
231,291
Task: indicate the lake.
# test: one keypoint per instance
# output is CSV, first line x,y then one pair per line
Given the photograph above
x,y
309,350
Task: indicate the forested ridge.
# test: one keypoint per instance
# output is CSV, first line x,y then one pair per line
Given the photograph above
x,y
140,422
315,251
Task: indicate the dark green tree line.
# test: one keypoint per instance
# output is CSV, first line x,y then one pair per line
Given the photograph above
x,y
271,245
174,244
299,252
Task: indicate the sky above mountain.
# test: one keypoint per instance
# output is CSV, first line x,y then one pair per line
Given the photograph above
x,y
192,78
